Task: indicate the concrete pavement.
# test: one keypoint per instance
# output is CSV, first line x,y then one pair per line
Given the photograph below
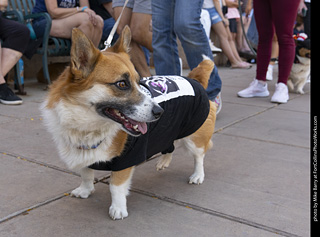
x,y
257,176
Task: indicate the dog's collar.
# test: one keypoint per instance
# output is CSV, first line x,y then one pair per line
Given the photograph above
x,y
87,147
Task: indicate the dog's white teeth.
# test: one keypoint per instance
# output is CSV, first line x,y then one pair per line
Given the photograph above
x,y
135,127
119,114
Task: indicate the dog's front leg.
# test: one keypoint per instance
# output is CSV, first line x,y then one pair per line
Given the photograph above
x,y
86,187
119,188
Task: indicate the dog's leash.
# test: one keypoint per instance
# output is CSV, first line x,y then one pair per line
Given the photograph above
x,y
108,41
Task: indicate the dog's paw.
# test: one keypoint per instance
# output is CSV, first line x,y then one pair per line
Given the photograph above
x,y
117,213
82,192
196,178
300,91
163,162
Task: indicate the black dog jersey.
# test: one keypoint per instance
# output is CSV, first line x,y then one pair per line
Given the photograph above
x,y
186,107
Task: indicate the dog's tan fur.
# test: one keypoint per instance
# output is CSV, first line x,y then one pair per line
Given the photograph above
x,y
95,76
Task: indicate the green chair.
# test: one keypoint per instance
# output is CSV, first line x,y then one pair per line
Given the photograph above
x,y
50,46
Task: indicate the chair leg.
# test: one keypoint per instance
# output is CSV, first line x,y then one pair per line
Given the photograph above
x,y
18,79
45,68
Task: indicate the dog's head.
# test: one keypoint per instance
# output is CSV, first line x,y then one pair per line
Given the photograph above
x,y
303,50
106,83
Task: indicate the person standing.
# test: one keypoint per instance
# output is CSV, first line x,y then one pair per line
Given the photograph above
x,y
271,18
181,18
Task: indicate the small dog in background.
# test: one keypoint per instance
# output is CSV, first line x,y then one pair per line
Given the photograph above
x,y
300,70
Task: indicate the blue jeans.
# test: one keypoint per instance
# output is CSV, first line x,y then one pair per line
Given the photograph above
x,y
107,27
172,18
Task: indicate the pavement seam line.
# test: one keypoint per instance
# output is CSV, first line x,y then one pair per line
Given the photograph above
x,y
28,209
266,141
33,161
245,118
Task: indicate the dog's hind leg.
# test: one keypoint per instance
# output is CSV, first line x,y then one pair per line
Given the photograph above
x,y
119,188
198,143
86,187
164,161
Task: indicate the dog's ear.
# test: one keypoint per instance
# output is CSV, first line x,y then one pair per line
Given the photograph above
x,y
123,42
83,55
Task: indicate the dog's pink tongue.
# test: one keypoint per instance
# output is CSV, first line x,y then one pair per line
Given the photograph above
x,y
142,126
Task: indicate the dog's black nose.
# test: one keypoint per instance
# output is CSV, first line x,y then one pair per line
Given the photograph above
x,y
157,111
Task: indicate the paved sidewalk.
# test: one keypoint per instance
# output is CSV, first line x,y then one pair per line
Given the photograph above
x,y
257,176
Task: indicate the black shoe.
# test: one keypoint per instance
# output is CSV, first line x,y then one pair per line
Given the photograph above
x,y
7,96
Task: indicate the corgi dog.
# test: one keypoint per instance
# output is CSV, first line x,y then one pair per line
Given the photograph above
x,y
300,70
103,116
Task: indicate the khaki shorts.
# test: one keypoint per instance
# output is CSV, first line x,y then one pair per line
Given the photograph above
x,y
139,6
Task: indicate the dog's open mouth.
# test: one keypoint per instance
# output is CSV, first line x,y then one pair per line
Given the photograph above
x,y
133,127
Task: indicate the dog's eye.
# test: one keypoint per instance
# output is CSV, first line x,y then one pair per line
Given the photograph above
x,y
123,85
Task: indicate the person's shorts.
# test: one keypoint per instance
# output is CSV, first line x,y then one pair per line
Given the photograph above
x,y
138,6
214,15
233,25
39,26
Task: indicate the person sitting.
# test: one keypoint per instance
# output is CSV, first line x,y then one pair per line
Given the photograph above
x,y
220,26
66,15
137,14
104,9
15,38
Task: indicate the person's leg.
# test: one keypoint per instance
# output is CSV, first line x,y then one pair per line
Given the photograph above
x,y
140,28
164,44
193,39
6,94
284,23
136,53
62,28
15,38
264,23
239,62
141,23
274,56
262,14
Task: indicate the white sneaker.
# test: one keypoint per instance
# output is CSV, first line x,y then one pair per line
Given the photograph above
x,y
255,89
269,76
213,48
281,94
218,102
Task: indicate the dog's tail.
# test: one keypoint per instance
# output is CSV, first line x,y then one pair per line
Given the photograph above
x,y
203,71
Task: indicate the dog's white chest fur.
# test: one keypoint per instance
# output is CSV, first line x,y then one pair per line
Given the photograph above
x,y
71,128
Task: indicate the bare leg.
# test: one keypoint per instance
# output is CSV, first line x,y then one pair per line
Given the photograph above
x,y
140,28
63,27
225,45
9,58
136,53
